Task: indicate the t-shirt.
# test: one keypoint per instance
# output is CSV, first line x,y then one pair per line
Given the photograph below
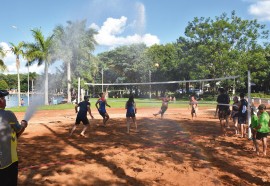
x,y
263,121
102,105
130,106
235,110
9,127
84,105
223,99
254,121
243,108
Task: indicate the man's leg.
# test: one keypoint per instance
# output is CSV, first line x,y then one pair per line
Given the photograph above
x,y
256,146
84,129
106,118
243,130
128,124
73,129
135,122
227,122
264,141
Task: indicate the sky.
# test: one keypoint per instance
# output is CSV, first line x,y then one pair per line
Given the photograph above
x,y
118,22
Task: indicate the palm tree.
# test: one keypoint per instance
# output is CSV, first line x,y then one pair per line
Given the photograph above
x,y
2,55
73,43
40,51
17,51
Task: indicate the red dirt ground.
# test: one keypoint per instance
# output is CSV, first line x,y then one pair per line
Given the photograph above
x,y
172,151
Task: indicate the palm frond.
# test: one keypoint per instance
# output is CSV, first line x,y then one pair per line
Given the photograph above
x,y
3,67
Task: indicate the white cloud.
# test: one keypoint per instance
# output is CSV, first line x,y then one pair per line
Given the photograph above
x,y
110,34
10,62
94,26
261,10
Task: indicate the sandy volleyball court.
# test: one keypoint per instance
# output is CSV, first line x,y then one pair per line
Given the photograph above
x,y
172,151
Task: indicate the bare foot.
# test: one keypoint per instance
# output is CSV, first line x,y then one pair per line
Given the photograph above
x,y
83,135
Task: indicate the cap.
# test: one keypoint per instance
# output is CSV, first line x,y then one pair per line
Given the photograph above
x,y
261,107
3,93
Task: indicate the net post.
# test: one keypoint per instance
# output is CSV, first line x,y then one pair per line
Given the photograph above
x,y
79,88
249,105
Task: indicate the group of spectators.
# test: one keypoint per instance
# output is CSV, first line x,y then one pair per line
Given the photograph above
x,y
239,114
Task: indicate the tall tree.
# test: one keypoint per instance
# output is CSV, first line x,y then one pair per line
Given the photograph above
x,y
41,52
2,55
74,44
17,50
125,64
163,65
222,46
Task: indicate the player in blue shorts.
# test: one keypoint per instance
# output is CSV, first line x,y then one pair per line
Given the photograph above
x,y
131,112
101,106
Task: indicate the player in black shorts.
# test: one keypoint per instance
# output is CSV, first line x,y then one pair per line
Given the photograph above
x,y
223,109
82,115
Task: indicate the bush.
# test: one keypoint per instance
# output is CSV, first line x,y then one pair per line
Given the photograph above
x,y
260,95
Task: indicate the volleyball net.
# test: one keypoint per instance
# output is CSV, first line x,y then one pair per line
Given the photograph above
x,y
163,82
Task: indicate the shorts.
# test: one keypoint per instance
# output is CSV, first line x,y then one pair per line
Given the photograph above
x,y
9,175
253,134
242,120
130,114
84,120
261,135
194,110
163,110
102,113
223,114
235,119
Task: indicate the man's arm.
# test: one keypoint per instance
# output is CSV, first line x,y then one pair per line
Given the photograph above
x,y
76,108
15,125
97,104
135,108
89,111
24,124
216,110
107,104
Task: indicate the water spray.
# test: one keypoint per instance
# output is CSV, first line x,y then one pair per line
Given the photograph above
x,y
36,102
